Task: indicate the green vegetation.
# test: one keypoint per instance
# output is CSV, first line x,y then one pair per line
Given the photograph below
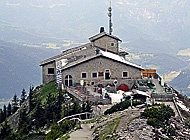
x,y
159,116
6,131
61,129
121,106
109,129
44,106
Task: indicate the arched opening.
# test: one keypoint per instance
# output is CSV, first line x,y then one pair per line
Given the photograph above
x,y
68,80
123,87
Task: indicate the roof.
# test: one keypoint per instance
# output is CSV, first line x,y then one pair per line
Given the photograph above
x,y
122,51
119,58
104,54
92,39
64,53
135,91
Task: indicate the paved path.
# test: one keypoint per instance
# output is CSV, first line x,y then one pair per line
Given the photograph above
x,y
82,134
159,88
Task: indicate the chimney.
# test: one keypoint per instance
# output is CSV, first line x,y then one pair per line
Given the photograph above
x,y
101,29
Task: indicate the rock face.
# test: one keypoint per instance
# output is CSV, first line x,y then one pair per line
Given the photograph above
x,y
137,129
133,127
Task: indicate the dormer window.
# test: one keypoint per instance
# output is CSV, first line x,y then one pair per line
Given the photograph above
x,y
51,71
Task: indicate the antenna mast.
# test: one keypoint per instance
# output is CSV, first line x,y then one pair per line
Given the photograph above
x,y
109,15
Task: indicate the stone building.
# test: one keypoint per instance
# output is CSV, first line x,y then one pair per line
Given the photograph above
x,y
99,62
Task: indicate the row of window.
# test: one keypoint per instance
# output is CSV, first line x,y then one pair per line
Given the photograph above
x,y
94,74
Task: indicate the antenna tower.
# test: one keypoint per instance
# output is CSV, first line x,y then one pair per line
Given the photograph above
x,y
109,15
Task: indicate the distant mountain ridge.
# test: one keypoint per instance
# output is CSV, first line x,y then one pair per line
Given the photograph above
x,y
160,27
20,67
182,82
77,20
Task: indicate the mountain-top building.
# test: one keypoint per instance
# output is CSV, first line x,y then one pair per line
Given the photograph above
x,y
99,62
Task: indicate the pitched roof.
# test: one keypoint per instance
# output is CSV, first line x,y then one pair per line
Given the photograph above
x,y
64,53
104,54
93,38
119,58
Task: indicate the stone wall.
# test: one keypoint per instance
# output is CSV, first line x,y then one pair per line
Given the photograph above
x,y
106,43
48,77
73,55
100,65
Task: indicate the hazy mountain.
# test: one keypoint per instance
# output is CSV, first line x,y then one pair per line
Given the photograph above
x,y
78,20
160,27
182,82
20,67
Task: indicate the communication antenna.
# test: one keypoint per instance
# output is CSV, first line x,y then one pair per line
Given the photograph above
x,y
109,15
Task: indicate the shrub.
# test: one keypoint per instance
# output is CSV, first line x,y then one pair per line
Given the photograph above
x,y
118,107
61,129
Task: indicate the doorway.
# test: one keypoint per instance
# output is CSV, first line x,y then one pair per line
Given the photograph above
x,y
68,80
107,75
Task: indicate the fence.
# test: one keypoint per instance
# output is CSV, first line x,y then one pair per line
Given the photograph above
x,y
162,97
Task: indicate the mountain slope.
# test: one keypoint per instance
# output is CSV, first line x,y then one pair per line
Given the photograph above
x,y
182,82
20,67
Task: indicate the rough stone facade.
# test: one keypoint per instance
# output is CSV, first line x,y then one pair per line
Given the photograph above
x,y
107,43
45,75
99,65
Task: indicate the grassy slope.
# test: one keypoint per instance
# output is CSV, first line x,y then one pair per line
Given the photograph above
x,y
42,94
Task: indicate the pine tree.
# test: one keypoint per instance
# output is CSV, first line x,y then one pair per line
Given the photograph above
x,y
38,117
5,111
2,118
15,103
49,108
75,108
31,104
9,110
58,106
23,125
6,131
23,96
88,107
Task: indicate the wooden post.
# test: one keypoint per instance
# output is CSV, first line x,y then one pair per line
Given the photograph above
x,y
86,116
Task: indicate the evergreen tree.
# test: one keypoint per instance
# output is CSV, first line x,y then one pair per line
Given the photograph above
x,y
75,108
15,103
6,131
9,110
31,104
38,117
23,125
58,105
49,109
87,107
65,110
2,118
5,111
23,96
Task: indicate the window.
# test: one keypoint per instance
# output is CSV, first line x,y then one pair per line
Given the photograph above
x,y
94,75
68,80
51,71
107,75
84,75
92,83
125,74
112,44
